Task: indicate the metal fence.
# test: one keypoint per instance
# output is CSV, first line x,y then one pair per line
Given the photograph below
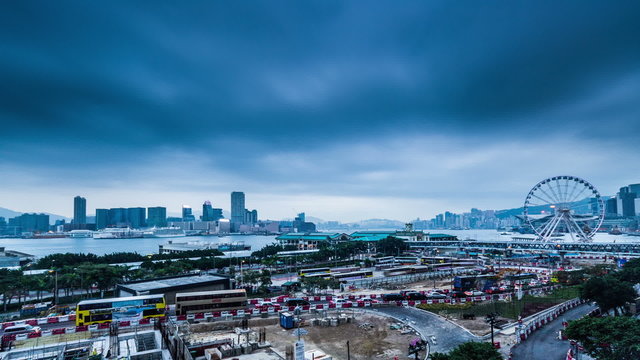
x,y
406,279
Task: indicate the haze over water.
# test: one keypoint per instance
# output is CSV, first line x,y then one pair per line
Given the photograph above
x,y
43,247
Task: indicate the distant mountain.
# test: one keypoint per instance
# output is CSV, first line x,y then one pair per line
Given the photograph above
x,y
581,206
380,224
7,214
313,219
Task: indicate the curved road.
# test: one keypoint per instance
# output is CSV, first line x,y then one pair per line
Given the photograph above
x,y
447,334
543,344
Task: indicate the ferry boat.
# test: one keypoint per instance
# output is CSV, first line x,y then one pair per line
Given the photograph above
x,y
163,232
117,233
80,234
173,247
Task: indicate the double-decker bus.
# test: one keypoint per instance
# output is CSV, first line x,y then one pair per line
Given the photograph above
x,y
210,301
345,269
305,272
316,276
407,260
404,270
352,275
384,262
90,312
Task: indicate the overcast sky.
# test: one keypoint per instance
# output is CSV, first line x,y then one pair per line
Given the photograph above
x,y
344,109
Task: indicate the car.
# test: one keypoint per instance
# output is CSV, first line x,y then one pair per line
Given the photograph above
x,y
21,329
267,304
393,297
341,302
297,302
473,293
368,300
435,295
440,291
405,292
457,294
415,296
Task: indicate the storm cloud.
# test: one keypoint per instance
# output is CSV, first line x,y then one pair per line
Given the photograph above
x,y
345,110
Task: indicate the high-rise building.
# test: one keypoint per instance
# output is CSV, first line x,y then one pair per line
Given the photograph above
x,y
137,217
118,217
626,202
301,217
102,218
611,207
30,223
187,213
207,212
79,210
250,217
157,216
237,209
217,214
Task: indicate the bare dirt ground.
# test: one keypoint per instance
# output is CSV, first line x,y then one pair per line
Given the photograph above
x,y
369,337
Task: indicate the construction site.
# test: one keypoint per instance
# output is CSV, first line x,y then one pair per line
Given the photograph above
x,y
320,335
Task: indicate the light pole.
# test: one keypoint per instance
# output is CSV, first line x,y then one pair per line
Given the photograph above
x,y
491,319
55,294
241,273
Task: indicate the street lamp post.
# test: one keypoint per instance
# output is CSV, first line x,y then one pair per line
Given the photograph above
x,y
491,319
55,294
241,273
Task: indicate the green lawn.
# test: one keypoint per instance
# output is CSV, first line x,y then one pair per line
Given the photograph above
x,y
525,307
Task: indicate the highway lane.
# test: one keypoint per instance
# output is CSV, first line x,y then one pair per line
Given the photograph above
x,y
543,344
447,334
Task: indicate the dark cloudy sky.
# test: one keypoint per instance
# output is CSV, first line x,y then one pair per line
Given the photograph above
x,y
343,109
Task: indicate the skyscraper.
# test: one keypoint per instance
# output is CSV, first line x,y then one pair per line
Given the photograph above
x,y
237,209
157,216
207,211
102,218
250,217
137,217
118,217
626,202
187,213
79,210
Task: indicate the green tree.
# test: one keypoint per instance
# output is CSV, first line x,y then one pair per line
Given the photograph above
x,y
391,246
319,283
439,356
11,282
607,338
608,292
470,351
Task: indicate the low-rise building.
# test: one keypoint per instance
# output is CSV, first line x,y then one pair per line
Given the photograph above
x,y
309,241
169,286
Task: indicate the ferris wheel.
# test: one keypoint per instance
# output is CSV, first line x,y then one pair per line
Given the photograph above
x,y
564,205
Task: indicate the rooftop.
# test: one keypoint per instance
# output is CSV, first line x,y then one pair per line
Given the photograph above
x,y
174,282
311,236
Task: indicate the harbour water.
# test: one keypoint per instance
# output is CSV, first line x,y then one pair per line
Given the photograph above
x,y
43,247
144,246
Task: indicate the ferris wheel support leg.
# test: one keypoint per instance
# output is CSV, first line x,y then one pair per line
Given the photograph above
x,y
584,236
543,233
555,225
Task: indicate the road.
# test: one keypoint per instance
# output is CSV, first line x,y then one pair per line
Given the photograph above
x,y
543,344
448,335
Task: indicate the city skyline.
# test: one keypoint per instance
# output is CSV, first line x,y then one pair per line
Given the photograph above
x,y
339,110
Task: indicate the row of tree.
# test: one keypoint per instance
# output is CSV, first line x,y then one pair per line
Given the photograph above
x,y
610,337
73,259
